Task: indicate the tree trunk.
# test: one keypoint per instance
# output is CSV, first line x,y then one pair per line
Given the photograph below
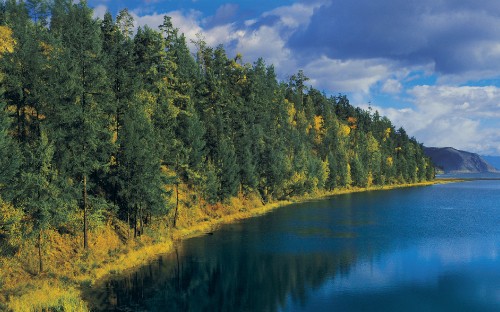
x,y
128,222
85,223
135,222
176,203
40,259
141,223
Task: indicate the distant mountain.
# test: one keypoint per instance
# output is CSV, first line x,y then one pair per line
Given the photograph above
x,y
493,160
451,160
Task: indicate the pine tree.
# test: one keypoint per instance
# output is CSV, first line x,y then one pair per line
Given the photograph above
x,y
210,185
140,180
118,52
25,70
191,132
227,168
39,192
79,121
331,181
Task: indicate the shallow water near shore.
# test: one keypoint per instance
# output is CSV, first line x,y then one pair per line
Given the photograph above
x,y
430,248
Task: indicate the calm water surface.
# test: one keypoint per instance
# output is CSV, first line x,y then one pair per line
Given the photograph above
x,y
419,249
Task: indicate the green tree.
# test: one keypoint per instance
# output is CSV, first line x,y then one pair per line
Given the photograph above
x,y
358,172
26,69
120,65
40,192
140,179
191,132
80,121
227,168
331,181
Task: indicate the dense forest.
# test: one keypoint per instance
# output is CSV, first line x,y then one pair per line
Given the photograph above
x,y
100,119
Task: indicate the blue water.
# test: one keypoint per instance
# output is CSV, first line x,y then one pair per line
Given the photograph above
x,y
418,249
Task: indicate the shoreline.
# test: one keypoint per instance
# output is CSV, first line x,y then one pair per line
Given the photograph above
x,y
69,294
202,228
210,225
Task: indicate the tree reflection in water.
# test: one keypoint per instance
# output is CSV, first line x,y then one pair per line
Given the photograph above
x,y
231,282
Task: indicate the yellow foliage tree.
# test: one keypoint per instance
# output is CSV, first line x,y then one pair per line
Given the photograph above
x,y
319,129
318,124
389,161
372,144
387,133
344,130
7,43
349,176
10,223
291,113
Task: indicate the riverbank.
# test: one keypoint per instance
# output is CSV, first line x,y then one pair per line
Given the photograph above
x,y
69,268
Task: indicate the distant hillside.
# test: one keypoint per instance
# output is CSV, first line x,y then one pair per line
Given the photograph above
x,y
451,160
493,160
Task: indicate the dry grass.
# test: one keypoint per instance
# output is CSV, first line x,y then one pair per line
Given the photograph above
x,y
68,266
48,296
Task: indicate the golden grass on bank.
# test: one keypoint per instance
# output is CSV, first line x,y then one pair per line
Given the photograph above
x,y
132,259
48,296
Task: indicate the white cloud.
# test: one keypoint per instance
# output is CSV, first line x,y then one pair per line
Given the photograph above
x,y
348,75
267,43
100,10
295,15
392,86
452,116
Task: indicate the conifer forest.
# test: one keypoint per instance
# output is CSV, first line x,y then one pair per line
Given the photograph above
x,y
101,120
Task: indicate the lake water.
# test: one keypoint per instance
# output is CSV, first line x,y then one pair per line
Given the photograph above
x,y
418,249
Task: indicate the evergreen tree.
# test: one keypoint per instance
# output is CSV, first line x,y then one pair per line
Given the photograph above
x,y
141,181
331,181
80,122
191,132
358,172
210,184
227,168
25,70
247,161
39,192
118,52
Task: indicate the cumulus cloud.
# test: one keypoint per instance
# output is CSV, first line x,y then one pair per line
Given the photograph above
x,y
392,86
452,116
347,75
266,42
296,15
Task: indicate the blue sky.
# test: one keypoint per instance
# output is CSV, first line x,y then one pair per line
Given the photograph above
x,y
432,67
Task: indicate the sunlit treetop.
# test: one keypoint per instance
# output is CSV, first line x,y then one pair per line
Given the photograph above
x,y
7,43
